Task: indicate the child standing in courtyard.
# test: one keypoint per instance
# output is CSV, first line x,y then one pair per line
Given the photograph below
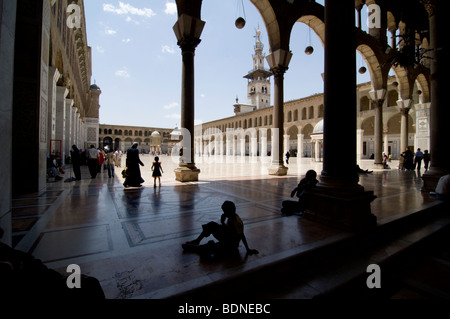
x,y
157,171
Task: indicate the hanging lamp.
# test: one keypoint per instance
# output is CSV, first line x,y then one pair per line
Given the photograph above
x,y
309,49
240,21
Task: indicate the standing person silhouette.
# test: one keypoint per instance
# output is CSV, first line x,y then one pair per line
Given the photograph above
x,y
157,171
76,162
133,177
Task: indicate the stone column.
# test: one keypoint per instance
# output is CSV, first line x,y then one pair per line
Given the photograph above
x,y
242,149
187,30
423,126
404,106
377,97
7,33
68,121
278,61
254,146
286,146
386,144
299,146
263,141
359,144
53,77
317,146
439,111
60,130
338,199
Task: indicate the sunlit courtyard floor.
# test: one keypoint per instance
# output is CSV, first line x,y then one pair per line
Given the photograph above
x,y
131,239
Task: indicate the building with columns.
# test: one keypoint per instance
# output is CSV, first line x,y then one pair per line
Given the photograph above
x,y
150,139
47,100
248,133
416,56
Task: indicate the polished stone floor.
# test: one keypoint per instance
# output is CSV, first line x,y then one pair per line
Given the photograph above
x,y
131,239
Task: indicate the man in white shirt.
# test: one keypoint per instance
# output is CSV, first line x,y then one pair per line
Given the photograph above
x,y
92,155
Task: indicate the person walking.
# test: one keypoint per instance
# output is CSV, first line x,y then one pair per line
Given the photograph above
x,y
92,155
288,155
157,171
133,176
418,157
109,162
426,159
76,162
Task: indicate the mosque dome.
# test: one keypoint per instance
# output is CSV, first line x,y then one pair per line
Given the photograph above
x,y
156,134
95,87
176,131
318,129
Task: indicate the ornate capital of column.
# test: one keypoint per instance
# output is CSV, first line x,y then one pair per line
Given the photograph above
x,y
404,106
377,96
188,30
430,6
279,61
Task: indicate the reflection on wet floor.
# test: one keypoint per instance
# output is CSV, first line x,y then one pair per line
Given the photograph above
x,y
131,239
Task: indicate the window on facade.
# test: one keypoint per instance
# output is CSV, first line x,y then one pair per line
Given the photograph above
x,y
320,111
296,115
304,113
311,112
289,116
364,103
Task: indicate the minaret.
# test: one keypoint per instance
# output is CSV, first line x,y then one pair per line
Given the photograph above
x,y
258,87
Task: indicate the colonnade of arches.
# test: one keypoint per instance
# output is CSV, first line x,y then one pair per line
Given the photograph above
x,y
417,24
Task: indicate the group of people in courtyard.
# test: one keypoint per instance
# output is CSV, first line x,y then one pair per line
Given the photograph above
x,y
410,161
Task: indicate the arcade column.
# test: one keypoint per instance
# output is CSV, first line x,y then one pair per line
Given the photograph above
x,y
439,111
187,30
278,62
338,199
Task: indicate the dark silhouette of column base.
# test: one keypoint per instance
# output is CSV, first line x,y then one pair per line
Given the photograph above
x,y
349,211
431,178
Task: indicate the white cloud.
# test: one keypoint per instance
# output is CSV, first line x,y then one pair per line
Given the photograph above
x,y
171,105
173,116
123,73
109,31
100,49
167,49
202,95
171,8
128,9
128,40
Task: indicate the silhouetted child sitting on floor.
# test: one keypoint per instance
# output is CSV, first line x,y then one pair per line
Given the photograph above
x,y
228,234
291,207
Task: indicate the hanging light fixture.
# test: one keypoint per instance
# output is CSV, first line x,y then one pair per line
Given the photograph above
x,y
362,69
240,21
309,49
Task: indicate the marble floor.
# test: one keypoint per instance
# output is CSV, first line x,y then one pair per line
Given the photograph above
x,y
131,239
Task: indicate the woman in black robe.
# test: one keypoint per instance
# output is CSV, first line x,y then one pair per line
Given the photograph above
x,y
133,178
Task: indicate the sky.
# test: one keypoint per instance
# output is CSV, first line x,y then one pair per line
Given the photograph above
x,y
137,64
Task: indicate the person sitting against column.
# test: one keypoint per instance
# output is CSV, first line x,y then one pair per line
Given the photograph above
x,y
229,234
442,190
291,207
